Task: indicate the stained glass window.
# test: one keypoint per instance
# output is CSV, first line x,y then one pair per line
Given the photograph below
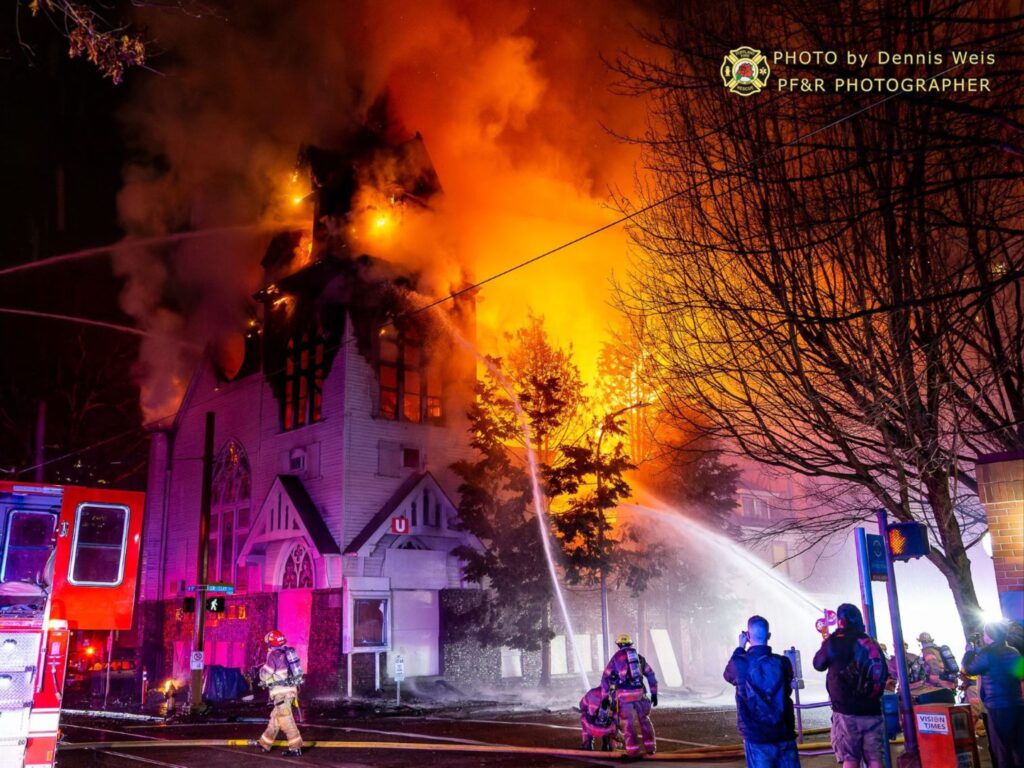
x,y
298,571
229,516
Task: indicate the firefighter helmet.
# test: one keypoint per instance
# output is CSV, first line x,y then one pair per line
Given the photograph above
x,y
274,638
623,640
925,639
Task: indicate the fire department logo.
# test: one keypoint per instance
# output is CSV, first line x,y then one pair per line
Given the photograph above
x,y
745,71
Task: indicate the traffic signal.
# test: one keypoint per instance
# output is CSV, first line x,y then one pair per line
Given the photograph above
x,y
215,604
908,541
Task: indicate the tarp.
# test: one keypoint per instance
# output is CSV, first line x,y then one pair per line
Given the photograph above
x,y
224,683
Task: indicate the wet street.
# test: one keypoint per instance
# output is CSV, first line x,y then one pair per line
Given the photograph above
x,y
531,739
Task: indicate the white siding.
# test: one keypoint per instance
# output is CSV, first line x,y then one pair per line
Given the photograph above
x,y
342,476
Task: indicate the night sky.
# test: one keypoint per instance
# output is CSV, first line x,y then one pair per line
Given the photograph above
x,y
61,153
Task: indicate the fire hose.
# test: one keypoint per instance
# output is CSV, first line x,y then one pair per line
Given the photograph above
x,y
721,752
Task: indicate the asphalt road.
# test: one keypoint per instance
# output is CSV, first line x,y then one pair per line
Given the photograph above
x,y
677,729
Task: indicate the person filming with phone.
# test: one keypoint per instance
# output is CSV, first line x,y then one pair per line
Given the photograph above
x,y
764,703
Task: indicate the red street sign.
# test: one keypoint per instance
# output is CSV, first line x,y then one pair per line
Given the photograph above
x,y
400,524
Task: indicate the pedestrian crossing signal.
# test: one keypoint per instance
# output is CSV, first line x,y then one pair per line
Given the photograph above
x,y
908,541
215,604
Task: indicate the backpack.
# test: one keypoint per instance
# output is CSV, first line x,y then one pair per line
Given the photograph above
x,y
761,690
865,674
915,670
951,670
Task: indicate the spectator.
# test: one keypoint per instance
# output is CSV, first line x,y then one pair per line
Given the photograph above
x,y
1000,668
764,705
856,680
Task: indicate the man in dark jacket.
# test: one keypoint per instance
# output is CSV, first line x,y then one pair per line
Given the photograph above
x,y
1000,668
855,681
764,704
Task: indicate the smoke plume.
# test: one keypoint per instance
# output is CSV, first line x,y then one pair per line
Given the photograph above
x,y
512,100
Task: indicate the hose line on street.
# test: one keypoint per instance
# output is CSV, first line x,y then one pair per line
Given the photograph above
x,y
724,751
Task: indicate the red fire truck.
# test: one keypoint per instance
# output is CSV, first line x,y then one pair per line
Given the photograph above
x,y
69,560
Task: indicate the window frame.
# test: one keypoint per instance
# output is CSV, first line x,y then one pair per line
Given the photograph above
x,y
302,382
385,622
409,363
75,549
7,535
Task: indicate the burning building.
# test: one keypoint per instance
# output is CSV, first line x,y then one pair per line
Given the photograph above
x,y
332,512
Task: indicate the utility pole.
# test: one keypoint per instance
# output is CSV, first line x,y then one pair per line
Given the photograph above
x,y
910,754
40,446
196,690
609,422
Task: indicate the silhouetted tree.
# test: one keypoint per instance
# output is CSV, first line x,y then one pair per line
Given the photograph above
x,y
833,282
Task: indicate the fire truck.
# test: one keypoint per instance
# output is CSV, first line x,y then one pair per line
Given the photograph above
x,y
69,559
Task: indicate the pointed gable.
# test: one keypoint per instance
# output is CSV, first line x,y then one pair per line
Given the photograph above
x,y
430,514
287,513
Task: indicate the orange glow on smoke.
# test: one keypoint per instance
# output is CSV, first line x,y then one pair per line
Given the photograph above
x,y
515,108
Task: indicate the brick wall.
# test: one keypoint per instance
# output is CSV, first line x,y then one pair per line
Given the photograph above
x,y
1001,490
325,668
178,626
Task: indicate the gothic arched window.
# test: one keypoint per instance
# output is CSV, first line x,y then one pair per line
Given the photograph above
x,y
298,571
229,516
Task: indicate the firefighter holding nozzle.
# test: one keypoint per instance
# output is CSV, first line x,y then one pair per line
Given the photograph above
x,y
623,679
282,676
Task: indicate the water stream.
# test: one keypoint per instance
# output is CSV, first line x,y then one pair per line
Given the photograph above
x,y
538,499
141,242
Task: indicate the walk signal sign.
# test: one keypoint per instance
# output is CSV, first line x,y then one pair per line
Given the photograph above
x,y
215,604
908,541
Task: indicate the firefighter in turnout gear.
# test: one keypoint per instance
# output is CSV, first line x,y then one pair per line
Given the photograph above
x,y
623,680
281,675
942,672
597,720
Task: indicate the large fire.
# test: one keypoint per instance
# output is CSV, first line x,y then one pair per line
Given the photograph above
x,y
515,108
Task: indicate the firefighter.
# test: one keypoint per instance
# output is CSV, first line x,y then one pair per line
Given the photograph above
x,y
597,720
942,672
281,675
623,680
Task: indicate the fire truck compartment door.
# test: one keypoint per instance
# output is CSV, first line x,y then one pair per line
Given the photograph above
x,y
99,534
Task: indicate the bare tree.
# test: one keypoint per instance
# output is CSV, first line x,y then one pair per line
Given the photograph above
x,y
833,281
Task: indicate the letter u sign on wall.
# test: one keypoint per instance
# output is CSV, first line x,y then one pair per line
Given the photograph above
x,y
400,524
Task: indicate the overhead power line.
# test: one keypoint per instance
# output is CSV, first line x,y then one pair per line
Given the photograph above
x,y
474,286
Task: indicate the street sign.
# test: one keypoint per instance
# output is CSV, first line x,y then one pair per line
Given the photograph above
x,y
876,557
399,677
400,524
215,604
227,589
798,673
196,660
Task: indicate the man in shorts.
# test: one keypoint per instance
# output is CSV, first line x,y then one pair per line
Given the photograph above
x,y
856,680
